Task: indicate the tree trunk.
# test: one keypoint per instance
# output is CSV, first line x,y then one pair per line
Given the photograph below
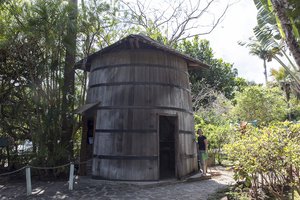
x,y
280,8
69,79
265,71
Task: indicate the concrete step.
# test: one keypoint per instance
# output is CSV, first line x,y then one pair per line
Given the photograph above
x,y
198,177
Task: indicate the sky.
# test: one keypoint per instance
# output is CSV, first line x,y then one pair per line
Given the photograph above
x,y
238,25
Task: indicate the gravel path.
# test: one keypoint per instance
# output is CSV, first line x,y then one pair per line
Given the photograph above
x,y
86,188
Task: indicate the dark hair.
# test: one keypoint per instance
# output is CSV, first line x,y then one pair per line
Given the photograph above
x,y
199,130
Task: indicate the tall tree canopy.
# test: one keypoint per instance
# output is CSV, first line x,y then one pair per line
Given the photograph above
x,y
37,82
222,76
281,19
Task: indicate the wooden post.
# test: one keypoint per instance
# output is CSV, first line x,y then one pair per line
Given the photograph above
x,y
28,181
71,177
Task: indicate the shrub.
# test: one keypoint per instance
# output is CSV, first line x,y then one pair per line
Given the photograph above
x,y
267,159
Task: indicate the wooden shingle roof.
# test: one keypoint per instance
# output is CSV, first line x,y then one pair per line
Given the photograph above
x,y
139,41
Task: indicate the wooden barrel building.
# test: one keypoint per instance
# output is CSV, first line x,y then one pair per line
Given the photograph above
x,y
142,120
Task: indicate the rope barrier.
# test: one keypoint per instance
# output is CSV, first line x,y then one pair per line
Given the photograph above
x,y
35,167
8,173
28,175
56,167
83,162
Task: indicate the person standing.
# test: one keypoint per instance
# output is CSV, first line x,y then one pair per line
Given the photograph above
x,y
203,151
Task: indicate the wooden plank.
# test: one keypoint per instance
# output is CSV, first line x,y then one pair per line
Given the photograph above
x,y
128,170
132,116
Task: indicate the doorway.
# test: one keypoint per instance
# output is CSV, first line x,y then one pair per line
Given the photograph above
x,y
90,138
167,131
86,150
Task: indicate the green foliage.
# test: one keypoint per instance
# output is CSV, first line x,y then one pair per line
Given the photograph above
x,y
217,135
238,192
260,103
33,49
279,21
235,192
268,19
32,69
221,75
269,156
198,121
294,109
96,26
241,84
286,84
216,110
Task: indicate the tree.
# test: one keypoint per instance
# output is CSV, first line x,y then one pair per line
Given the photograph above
x,y
32,42
271,30
285,11
282,78
267,47
286,83
263,51
216,108
37,55
281,16
260,103
172,21
68,92
221,75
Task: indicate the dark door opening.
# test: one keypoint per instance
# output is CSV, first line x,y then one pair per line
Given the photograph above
x,y
167,130
90,138
86,150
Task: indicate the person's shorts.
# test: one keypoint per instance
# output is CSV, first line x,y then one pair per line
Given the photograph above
x,y
202,156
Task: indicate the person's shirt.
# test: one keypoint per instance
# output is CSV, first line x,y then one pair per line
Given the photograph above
x,y
201,142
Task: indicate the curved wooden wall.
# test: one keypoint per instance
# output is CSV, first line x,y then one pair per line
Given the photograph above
x,y
134,87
